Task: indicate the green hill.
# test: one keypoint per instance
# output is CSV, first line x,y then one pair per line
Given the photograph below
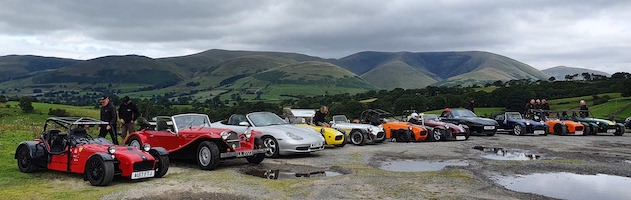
x,y
16,66
446,68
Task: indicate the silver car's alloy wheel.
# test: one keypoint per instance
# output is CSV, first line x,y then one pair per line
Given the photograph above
x,y
204,156
271,144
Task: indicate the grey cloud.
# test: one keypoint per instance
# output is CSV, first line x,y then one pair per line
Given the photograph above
x,y
529,31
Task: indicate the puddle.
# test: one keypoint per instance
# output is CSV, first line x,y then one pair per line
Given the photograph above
x,y
495,153
627,161
283,175
420,166
570,186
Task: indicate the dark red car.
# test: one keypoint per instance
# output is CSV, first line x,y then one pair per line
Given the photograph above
x,y
65,145
189,136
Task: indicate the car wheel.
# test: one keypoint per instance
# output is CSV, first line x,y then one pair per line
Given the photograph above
x,y
98,171
357,138
207,155
25,163
587,129
619,131
558,129
134,142
272,146
436,135
257,158
518,130
162,163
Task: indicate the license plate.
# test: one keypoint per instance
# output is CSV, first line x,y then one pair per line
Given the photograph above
x,y
142,174
245,153
578,133
461,137
611,130
489,127
317,144
540,132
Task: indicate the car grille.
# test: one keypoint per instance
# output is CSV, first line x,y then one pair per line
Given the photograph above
x,y
233,140
578,128
339,137
302,148
143,166
381,134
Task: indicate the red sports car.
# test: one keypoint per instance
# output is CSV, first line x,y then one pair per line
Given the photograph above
x,y
65,145
189,136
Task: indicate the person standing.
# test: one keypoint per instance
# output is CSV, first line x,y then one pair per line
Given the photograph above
x,y
529,108
545,107
584,110
537,104
470,106
127,113
320,117
108,114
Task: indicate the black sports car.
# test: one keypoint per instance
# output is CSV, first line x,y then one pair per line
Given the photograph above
x,y
477,125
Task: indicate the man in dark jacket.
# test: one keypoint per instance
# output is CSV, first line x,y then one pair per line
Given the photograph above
x,y
127,113
108,114
470,106
319,117
528,109
584,110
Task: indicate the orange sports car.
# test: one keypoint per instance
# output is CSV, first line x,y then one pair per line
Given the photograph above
x,y
398,131
561,124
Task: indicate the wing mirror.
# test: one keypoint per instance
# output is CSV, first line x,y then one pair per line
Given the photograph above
x,y
244,124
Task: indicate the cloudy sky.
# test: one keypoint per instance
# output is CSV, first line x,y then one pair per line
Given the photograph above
x,y
542,33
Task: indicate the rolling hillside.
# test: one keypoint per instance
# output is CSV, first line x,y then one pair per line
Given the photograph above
x,y
16,66
445,68
559,72
262,74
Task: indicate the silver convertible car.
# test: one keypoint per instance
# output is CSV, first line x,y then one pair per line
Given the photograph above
x,y
278,136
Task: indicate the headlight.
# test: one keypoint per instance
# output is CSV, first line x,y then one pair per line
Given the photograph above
x,y
146,147
247,133
598,123
527,123
370,129
410,127
447,127
225,135
111,149
295,137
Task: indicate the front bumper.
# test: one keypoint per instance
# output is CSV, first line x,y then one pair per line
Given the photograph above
x,y
480,129
288,147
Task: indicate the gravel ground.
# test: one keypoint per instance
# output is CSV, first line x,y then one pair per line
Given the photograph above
x,y
361,179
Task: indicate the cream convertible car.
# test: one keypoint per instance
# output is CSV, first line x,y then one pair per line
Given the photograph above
x,y
280,137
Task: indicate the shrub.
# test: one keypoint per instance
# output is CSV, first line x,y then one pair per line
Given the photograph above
x,y
58,112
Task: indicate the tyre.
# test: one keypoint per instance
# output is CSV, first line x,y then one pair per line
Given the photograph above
x,y
434,135
619,131
357,138
258,158
587,130
272,146
403,136
25,163
207,155
162,163
559,129
98,171
134,142
518,130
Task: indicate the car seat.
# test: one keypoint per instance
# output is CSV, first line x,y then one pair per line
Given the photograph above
x,y
161,125
236,119
57,141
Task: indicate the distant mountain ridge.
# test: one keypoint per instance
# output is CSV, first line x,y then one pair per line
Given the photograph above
x,y
559,72
221,72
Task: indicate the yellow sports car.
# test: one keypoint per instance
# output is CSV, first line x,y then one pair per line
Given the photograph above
x,y
304,117
331,135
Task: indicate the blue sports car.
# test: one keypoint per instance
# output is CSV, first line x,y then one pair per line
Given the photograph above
x,y
514,123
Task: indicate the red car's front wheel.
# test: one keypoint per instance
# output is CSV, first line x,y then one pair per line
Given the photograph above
x,y
99,172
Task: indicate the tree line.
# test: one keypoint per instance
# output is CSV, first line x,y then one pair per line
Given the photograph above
x,y
512,95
